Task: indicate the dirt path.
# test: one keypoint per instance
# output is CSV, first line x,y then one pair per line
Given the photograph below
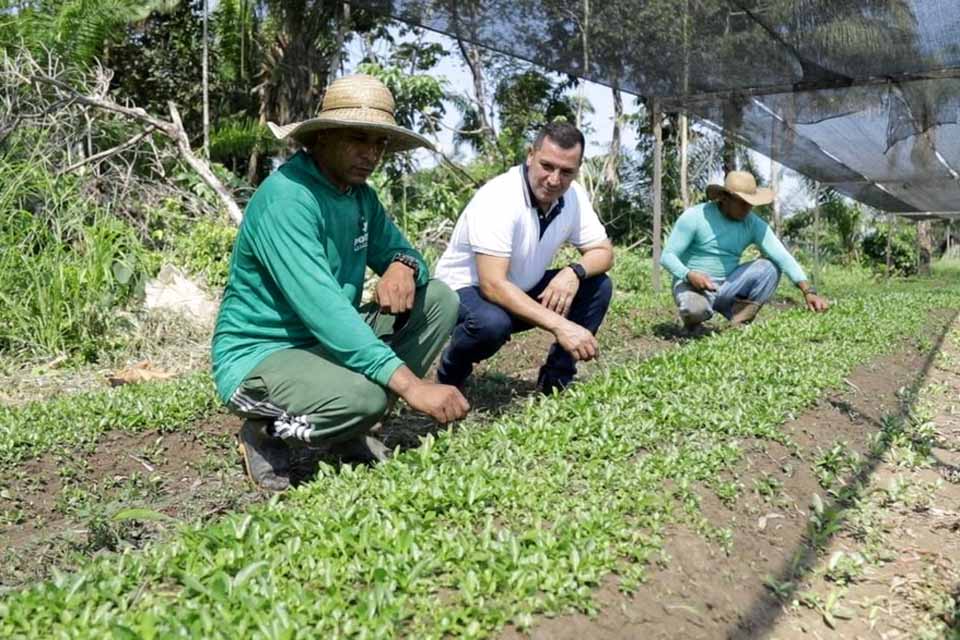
x,y
894,569
772,580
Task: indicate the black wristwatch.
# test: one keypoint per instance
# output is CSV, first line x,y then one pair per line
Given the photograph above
x,y
810,290
409,261
579,270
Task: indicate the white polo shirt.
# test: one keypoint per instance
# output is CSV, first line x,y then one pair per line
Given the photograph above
x,y
501,220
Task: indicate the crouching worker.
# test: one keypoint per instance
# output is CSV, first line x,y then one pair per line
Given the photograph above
x,y
703,254
293,352
498,256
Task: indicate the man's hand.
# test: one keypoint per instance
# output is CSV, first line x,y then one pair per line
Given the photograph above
x,y
700,281
815,303
442,402
577,341
396,289
559,294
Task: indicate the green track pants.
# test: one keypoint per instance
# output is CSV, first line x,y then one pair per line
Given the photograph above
x,y
312,399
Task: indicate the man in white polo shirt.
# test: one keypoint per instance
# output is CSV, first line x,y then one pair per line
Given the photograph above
x,y
498,256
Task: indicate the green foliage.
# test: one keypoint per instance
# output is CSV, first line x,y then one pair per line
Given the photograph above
x,y
233,139
82,29
903,249
527,101
429,198
494,523
78,420
418,97
161,58
841,222
204,248
66,265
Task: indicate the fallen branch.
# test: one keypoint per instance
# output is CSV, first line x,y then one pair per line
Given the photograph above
x,y
173,130
109,152
202,168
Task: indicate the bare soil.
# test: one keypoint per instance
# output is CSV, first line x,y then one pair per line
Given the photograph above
x,y
698,589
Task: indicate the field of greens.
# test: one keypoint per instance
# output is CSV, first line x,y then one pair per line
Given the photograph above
x,y
492,523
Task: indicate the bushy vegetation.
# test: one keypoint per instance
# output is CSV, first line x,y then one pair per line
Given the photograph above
x,y
67,264
903,251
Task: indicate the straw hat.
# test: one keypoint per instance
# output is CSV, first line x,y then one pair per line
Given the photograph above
x,y
744,186
357,101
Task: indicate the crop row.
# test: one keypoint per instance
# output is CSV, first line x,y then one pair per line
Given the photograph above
x,y
494,523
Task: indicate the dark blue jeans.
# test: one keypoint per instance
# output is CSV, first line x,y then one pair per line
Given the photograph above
x,y
483,327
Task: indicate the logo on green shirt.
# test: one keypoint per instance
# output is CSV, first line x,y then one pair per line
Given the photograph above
x,y
360,242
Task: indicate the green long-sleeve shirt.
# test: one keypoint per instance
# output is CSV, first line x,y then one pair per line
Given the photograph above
x,y
296,276
705,240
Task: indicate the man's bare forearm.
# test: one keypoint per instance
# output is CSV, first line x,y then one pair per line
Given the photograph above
x,y
597,260
504,293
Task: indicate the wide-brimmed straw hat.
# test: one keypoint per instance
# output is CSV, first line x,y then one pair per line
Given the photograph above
x,y
357,101
743,185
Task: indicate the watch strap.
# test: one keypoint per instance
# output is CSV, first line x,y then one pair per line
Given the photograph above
x,y
579,270
409,261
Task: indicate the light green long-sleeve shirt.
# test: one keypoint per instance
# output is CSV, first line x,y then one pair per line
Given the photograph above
x,y
296,276
705,240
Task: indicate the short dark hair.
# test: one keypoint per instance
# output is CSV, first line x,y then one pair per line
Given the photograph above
x,y
563,134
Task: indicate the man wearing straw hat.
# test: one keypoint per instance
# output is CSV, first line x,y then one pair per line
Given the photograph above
x,y
703,254
293,350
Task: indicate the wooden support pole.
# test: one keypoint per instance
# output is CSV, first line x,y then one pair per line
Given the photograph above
x,y
816,234
684,161
890,221
655,118
775,181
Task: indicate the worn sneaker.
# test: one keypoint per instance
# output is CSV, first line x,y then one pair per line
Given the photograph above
x,y
547,384
743,312
364,449
265,458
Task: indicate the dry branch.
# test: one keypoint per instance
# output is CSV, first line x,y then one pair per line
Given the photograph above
x,y
109,152
173,130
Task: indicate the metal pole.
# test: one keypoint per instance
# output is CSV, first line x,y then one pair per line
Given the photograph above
x,y
657,189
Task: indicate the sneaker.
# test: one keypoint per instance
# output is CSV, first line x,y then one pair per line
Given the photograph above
x,y
697,330
743,312
266,459
364,449
547,384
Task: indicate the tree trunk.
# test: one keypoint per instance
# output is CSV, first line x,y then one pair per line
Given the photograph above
x,y
585,35
655,118
732,119
471,56
342,17
611,170
206,82
296,68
